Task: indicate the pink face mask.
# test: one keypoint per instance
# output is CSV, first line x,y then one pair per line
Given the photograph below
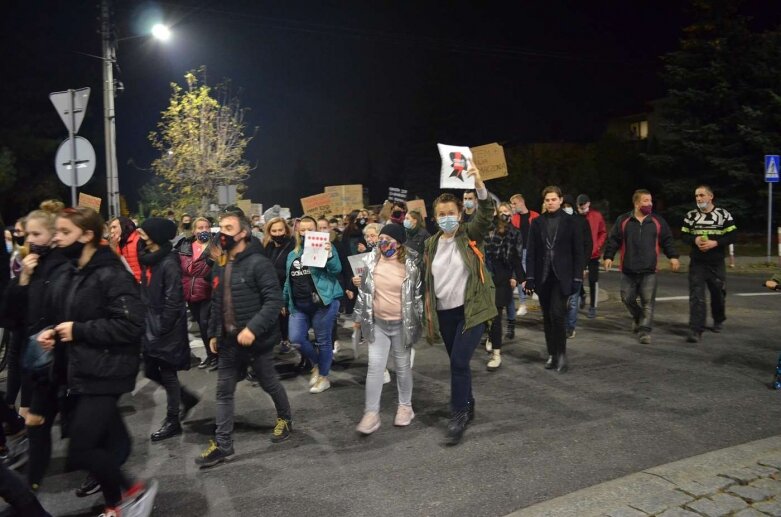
x,y
646,210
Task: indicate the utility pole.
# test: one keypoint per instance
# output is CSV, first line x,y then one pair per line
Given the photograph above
x,y
109,122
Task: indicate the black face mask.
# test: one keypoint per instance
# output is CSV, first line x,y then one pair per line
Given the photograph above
x,y
505,217
227,242
279,239
204,236
39,249
73,251
187,226
19,240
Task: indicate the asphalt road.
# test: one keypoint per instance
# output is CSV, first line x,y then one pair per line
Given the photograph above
x,y
622,407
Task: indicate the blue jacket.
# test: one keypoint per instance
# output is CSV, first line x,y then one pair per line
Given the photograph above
x,y
325,279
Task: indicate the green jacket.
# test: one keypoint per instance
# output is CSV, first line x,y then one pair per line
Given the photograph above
x,y
480,292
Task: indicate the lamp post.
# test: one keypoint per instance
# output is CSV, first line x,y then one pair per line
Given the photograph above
x,y
160,32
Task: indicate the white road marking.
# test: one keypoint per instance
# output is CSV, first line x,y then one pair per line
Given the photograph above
x,y
676,298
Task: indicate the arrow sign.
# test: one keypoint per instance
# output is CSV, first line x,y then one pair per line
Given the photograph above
x,y
771,168
84,160
62,103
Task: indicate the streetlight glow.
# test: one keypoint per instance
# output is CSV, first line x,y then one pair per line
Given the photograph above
x,y
161,32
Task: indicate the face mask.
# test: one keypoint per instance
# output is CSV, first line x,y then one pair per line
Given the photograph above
x,y
39,249
19,240
204,236
187,226
361,222
568,210
371,245
646,210
9,247
469,204
388,248
279,239
448,223
73,251
505,217
702,206
227,242
397,214
407,224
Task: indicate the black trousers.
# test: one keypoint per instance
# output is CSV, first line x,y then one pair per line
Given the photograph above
x,y
165,375
97,432
45,403
18,495
17,381
495,333
593,278
200,312
712,277
554,314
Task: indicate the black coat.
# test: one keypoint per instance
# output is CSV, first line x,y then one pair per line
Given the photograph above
x,y
104,302
568,251
165,336
257,298
278,257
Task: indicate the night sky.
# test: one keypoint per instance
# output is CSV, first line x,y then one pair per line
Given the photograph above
x,y
340,91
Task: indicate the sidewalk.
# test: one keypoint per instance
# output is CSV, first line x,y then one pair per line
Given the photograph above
x,y
741,481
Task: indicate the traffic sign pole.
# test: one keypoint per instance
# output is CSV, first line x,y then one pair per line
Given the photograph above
x,y
71,135
772,166
769,217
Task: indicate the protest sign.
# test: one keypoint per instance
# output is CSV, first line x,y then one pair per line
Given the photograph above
x,y
385,211
314,249
418,205
455,162
87,201
316,206
490,160
246,206
284,213
256,209
345,198
397,194
357,264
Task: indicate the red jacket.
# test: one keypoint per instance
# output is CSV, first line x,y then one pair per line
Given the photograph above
x,y
196,274
516,219
598,231
130,252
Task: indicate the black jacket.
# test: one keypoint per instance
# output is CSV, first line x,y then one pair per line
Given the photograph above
x,y
567,252
165,336
640,243
104,303
257,298
278,257
588,242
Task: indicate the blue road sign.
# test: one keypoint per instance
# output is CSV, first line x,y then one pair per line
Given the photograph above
x,y
772,167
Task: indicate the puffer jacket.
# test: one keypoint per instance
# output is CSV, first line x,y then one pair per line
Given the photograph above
x,y
104,302
411,299
196,273
479,292
326,280
257,298
130,252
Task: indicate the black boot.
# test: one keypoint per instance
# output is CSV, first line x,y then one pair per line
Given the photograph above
x,y
510,330
170,428
550,364
563,366
457,426
189,401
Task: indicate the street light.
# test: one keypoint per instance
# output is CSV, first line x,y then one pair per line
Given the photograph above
x,y
159,31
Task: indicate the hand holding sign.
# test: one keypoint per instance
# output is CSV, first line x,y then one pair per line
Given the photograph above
x,y
474,172
455,161
317,248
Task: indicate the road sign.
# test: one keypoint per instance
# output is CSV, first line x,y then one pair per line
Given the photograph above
x,y
62,103
772,167
226,194
84,160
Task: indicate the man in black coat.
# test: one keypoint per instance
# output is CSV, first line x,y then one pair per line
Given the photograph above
x,y
244,328
568,206
554,269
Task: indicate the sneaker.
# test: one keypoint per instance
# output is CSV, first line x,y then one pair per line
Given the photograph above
x,y
495,362
369,423
205,363
213,455
522,310
315,375
570,333
139,500
693,337
488,346
336,347
282,430
285,348
404,416
321,385
386,376
645,338
88,487
592,313
110,511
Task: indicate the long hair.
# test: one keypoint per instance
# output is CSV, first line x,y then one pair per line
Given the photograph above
x,y
299,240
127,227
267,229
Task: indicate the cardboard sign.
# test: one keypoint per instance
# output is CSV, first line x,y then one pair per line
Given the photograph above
x,y
357,264
314,249
246,206
87,201
284,213
417,205
397,194
385,211
345,198
256,209
455,162
490,160
316,206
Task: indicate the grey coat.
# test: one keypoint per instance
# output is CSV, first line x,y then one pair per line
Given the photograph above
x,y
411,299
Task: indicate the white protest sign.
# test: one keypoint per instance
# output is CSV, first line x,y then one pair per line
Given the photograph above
x,y
357,264
455,162
314,249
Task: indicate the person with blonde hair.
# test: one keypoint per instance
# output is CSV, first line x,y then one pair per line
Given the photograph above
x,y
278,242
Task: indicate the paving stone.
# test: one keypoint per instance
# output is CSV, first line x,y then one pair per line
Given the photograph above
x,y
718,505
705,486
626,511
743,475
751,494
771,461
657,503
767,484
750,512
772,508
763,471
679,512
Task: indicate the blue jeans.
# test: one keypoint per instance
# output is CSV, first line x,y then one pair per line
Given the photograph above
x,y
321,319
521,293
572,310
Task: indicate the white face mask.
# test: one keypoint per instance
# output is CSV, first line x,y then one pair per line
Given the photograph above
x,y
568,210
702,206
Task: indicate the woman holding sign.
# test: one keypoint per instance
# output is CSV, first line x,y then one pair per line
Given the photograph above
x,y
311,296
459,294
389,311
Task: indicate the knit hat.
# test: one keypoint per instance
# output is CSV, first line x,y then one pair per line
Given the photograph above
x,y
396,231
159,230
568,200
583,199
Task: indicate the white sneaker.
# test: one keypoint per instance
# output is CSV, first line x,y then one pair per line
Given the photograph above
x,y
488,346
522,310
315,375
336,347
321,385
386,377
496,361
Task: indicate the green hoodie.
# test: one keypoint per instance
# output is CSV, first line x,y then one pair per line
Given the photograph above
x,y
480,292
